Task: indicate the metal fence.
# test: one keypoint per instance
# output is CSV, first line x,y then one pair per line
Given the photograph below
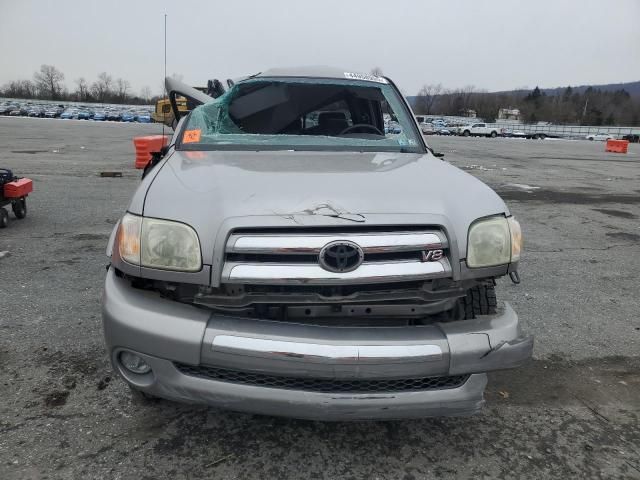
x,y
566,131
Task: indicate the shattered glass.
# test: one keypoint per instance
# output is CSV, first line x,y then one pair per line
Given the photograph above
x,y
242,117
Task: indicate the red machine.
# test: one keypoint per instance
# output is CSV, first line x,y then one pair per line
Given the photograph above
x,y
14,192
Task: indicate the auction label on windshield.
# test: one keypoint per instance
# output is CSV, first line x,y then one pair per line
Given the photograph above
x,y
364,76
191,136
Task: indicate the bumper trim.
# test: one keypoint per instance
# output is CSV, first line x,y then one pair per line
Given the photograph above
x,y
323,385
325,352
168,382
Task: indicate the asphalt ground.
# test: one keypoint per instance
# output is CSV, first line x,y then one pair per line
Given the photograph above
x,y
572,412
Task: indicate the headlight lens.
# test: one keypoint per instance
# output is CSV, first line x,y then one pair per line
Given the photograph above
x,y
129,238
155,243
489,243
516,239
170,245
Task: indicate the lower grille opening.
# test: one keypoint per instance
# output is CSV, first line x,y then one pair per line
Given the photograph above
x,y
322,385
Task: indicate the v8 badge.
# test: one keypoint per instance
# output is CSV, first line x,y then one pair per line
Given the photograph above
x,y
432,255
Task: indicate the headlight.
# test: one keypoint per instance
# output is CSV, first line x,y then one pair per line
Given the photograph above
x,y
494,241
516,239
155,243
129,238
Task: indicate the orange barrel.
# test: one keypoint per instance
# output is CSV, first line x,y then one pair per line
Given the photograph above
x,y
617,146
146,145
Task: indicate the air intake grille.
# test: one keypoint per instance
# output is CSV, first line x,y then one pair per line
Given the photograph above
x,y
321,384
306,258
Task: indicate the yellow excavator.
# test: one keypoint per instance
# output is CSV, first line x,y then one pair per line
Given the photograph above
x,y
164,112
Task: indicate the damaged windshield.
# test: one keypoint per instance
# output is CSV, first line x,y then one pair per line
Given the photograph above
x,y
304,114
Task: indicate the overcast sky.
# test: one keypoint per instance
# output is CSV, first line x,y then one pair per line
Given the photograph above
x,y
494,45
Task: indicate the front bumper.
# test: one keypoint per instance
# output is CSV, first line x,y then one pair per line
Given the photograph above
x,y
164,332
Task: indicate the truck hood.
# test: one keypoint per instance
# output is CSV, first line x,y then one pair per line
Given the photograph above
x,y
216,190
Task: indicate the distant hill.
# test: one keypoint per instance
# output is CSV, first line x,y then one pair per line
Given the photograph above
x,y
633,88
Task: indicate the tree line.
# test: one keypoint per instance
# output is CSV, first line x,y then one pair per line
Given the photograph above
x,y
48,84
589,107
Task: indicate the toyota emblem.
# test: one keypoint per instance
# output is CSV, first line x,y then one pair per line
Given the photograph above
x,y
341,256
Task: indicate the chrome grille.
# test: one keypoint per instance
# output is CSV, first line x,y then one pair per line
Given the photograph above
x,y
291,258
322,385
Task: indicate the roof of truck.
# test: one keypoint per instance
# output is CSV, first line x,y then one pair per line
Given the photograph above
x,y
319,72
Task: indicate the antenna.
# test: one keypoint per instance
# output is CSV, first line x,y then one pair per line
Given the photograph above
x,y
166,94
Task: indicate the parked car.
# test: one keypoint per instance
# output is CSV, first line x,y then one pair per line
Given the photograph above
x,y
479,130
128,117
425,126
83,115
143,117
68,114
114,116
35,112
53,112
600,137
355,281
19,111
443,131
99,115
632,138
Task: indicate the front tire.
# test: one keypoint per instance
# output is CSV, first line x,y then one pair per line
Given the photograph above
x,y
480,300
493,135
466,133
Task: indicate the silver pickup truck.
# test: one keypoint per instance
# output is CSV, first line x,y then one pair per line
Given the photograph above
x,y
286,256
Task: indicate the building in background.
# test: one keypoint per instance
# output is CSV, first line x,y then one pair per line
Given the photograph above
x,y
509,114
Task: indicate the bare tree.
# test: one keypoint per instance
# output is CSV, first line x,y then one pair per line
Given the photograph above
x,y
427,97
145,93
377,71
467,93
102,88
82,90
19,89
49,81
122,87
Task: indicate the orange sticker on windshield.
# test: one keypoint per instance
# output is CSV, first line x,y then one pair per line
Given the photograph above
x,y
191,136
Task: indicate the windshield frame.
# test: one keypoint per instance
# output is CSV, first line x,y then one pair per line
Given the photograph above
x,y
420,147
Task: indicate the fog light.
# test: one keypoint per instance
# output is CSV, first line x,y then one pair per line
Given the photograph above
x,y
134,363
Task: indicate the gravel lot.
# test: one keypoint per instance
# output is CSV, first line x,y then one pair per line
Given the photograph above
x,y
571,412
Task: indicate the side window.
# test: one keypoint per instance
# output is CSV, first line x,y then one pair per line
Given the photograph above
x,y
420,119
